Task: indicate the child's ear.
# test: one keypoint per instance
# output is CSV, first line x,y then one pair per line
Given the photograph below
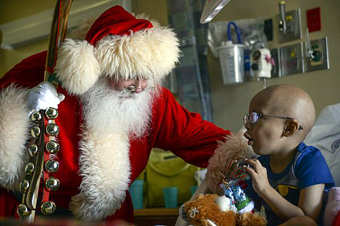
x,y
291,126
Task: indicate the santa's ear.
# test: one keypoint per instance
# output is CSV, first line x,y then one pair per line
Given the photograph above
x,y
291,126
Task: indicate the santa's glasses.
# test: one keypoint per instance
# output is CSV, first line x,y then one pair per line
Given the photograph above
x,y
133,88
139,85
254,117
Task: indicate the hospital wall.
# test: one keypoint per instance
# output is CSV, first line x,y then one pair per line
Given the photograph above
x,y
230,103
17,9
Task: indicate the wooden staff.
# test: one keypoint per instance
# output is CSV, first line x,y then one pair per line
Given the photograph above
x,y
34,170
57,35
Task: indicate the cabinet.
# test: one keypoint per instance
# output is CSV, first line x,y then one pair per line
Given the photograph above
x,y
156,216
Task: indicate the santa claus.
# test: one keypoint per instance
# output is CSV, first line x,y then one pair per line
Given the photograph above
x,y
112,111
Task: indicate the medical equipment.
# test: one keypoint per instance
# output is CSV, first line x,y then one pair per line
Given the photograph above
x,y
261,63
232,59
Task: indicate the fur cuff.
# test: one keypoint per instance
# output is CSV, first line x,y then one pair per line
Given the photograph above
x,y
14,132
105,168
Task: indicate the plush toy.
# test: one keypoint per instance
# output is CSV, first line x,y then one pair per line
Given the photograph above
x,y
235,148
214,210
226,171
220,199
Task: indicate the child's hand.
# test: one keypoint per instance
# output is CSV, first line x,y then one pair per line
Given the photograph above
x,y
258,174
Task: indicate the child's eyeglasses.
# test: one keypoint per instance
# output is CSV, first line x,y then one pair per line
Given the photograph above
x,y
254,117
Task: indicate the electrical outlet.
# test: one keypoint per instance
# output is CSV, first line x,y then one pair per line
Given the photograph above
x,y
314,19
293,21
320,60
291,59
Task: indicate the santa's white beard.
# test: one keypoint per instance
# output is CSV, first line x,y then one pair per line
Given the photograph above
x,y
107,110
111,119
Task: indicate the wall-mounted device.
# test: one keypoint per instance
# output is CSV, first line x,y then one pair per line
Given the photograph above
x,y
316,53
292,59
289,24
301,57
261,63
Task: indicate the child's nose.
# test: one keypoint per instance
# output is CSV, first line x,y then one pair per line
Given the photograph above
x,y
247,124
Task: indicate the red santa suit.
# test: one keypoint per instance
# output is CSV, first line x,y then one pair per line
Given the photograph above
x,y
97,169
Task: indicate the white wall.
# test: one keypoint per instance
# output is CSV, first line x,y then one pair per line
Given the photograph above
x,y
230,103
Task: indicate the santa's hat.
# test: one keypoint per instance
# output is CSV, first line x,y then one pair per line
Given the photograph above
x,y
120,45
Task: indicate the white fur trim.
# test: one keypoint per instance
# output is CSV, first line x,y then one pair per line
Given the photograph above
x,y
14,132
105,168
77,68
150,53
248,208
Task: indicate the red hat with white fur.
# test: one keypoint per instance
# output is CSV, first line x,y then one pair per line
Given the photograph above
x,y
119,45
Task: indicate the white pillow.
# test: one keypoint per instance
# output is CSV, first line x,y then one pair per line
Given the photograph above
x,y
325,135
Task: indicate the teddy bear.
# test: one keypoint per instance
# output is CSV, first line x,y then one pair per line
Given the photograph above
x,y
214,210
220,200
237,149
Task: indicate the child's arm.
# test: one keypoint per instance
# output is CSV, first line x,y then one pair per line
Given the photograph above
x,y
310,200
281,207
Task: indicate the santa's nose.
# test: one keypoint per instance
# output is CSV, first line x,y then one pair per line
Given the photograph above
x,y
140,84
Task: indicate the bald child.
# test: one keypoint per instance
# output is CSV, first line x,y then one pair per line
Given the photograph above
x,y
289,178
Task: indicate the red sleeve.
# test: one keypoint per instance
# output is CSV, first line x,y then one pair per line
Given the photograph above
x,y
28,73
184,133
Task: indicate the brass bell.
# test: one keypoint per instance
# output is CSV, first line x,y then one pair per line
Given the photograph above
x,y
24,186
52,184
29,169
35,132
52,129
23,211
48,208
52,166
52,147
33,149
51,113
36,116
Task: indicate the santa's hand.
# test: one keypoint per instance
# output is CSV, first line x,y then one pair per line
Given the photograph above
x,y
42,97
258,174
